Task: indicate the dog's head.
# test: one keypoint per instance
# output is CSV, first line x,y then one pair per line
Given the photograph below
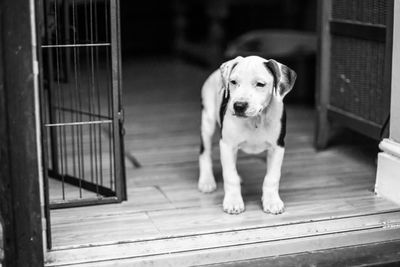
x,y
252,82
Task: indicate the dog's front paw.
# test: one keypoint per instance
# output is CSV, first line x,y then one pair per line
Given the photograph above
x,y
272,204
233,204
207,185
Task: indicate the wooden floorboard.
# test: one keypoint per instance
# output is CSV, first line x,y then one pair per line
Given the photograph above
x,y
162,132
234,245
375,254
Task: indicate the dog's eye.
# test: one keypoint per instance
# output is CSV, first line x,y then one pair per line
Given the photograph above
x,y
260,84
233,82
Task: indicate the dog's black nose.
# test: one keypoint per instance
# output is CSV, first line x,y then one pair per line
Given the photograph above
x,y
240,107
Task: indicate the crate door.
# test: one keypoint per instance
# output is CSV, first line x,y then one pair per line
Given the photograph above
x,y
81,102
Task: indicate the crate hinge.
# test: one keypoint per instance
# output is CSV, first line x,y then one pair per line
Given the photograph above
x,y
121,115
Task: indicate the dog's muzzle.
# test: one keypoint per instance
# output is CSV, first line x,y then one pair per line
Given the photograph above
x,y
240,108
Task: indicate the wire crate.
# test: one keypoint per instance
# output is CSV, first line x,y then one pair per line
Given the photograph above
x,y
81,102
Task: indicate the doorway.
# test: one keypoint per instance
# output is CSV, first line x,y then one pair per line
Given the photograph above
x,y
162,118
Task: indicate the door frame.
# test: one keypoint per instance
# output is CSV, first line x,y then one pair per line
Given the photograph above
x,y
21,188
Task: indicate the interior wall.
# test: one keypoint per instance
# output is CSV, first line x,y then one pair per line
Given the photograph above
x,y
147,27
147,30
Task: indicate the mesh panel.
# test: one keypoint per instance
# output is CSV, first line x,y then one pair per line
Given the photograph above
x,y
369,11
357,78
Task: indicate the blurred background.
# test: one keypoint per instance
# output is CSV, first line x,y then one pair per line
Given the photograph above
x,y
206,33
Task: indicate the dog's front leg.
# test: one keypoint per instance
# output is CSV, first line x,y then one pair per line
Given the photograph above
x,y
271,201
233,201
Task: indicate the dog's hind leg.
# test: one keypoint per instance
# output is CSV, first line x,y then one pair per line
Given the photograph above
x,y
206,178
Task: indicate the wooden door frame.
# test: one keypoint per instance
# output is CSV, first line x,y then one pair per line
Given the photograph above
x,y
322,127
21,189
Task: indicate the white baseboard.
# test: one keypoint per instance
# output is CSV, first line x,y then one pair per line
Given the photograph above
x,y
388,173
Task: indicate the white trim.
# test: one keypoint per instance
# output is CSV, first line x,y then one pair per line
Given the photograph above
x,y
35,67
390,147
395,92
388,177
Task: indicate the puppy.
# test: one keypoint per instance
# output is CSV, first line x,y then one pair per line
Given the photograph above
x,y
245,98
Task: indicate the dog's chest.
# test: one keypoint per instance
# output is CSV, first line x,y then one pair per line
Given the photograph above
x,y
256,141
252,136
255,138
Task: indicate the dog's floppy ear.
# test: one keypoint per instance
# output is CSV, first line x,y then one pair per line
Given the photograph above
x,y
226,69
284,77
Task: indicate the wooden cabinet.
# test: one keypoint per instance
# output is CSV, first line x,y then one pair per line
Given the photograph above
x,y
354,66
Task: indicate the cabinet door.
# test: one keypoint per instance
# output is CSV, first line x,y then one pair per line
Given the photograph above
x,y
355,57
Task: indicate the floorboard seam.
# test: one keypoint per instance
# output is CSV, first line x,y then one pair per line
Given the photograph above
x,y
163,193
152,221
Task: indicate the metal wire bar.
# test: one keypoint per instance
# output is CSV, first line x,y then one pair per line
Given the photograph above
x,y
76,45
96,37
83,202
78,111
92,90
77,123
88,88
79,103
76,94
66,39
109,92
117,108
57,90
84,184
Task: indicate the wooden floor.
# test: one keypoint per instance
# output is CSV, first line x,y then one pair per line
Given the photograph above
x,y
162,108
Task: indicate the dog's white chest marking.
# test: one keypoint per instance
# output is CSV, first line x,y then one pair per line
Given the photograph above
x,y
252,136
251,148
257,141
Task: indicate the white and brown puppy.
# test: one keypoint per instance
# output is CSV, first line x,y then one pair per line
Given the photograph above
x,y
245,97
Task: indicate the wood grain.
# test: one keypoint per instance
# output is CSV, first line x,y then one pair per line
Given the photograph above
x,y
164,206
265,241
